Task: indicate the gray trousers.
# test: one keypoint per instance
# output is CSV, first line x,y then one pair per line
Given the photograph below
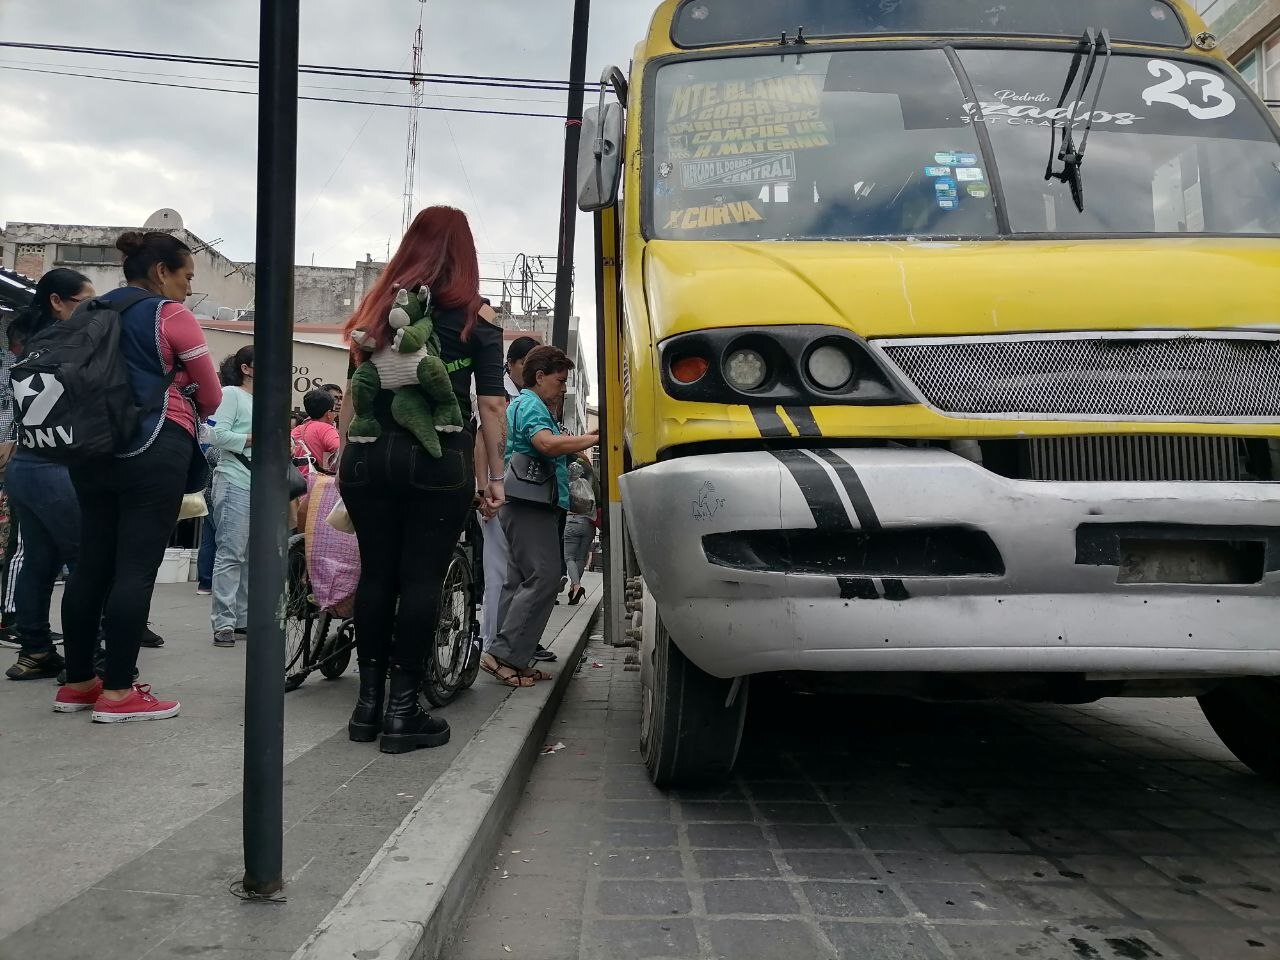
x,y
495,576
579,533
533,580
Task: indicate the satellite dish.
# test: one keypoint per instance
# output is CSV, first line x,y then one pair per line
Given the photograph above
x,y
164,219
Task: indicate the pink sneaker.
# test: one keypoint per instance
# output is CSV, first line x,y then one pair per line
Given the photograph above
x,y
138,705
73,701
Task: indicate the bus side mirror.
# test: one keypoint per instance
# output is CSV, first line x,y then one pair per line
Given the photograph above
x,y
600,157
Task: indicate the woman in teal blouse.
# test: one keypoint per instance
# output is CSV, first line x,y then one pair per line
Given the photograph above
x,y
533,529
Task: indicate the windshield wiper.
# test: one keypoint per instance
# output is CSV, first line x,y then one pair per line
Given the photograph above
x,y
1092,44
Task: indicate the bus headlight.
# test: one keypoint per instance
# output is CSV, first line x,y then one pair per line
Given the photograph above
x,y
830,367
745,369
786,364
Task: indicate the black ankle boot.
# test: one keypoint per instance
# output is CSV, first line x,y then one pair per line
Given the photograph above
x,y
406,726
366,718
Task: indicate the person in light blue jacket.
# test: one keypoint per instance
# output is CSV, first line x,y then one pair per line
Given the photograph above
x,y
232,433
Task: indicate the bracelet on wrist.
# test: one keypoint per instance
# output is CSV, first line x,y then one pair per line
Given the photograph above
x,y
496,479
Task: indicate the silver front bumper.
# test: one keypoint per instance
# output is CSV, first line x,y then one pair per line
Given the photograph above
x,y
1045,613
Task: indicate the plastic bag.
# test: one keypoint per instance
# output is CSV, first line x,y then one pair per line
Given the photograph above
x,y
333,557
339,519
582,498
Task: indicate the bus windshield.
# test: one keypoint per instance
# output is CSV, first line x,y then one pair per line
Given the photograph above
x,y
884,143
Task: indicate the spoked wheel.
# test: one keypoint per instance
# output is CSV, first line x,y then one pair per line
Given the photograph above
x,y
1245,714
449,655
689,731
300,616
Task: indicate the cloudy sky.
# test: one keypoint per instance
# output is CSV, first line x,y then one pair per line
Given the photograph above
x,y
98,152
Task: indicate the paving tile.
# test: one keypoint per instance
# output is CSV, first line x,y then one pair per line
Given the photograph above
x,y
107,924
636,833
749,897
1198,871
1009,943
636,898
1065,841
1254,903
832,865
881,941
1224,943
536,938
928,866
1014,866
983,840
555,897
636,809
1067,901
897,836
796,837
961,901
1160,842
693,810
1169,903
1112,941
1120,871
640,865
763,940
723,835
796,812
853,900
730,864
633,940
784,791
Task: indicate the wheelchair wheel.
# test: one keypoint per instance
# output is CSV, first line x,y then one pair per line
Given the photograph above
x,y
449,654
300,619
336,653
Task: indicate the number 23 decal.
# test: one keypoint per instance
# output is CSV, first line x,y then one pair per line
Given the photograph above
x,y
1215,100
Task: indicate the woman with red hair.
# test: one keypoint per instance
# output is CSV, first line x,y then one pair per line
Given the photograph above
x,y
409,507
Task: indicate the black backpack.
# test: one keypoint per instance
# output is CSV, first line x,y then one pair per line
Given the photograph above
x,y
73,401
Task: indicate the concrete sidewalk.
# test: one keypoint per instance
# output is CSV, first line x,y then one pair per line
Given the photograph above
x,y
121,841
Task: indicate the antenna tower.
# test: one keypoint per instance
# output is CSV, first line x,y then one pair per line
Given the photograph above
x,y
411,150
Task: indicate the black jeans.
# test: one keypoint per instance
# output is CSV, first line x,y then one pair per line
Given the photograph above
x,y
45,504
408,509
128,509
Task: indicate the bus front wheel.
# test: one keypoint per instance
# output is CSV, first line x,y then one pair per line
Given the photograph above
x,y
690,729
1245,714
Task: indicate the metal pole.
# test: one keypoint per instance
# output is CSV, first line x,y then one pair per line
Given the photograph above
x,y
568,198
269,507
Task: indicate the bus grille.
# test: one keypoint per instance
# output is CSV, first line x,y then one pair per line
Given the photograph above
x,y
1131,458
1108,376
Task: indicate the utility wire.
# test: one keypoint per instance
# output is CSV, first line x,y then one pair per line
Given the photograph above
x,y
463,79
305,86
253,93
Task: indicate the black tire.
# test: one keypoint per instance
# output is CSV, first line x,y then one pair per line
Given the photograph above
x,y
299,618
1245,714
337,653
449,651
688,736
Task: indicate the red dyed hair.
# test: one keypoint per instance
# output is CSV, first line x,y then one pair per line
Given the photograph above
x,y
438,251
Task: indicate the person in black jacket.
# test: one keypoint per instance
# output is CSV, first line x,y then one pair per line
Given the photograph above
x,y
409,507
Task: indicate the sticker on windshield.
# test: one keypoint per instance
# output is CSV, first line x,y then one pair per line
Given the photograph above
x,y
1028,108
937,171
738,171
969,173
712,215
946,204
978,191
1209,88
946,159
966,159
737,117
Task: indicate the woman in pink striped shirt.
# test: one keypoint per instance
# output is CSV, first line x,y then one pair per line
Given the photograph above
x,y
129,503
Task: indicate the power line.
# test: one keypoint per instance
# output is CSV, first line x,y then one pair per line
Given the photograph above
x,y
320,69
305,86
254,93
